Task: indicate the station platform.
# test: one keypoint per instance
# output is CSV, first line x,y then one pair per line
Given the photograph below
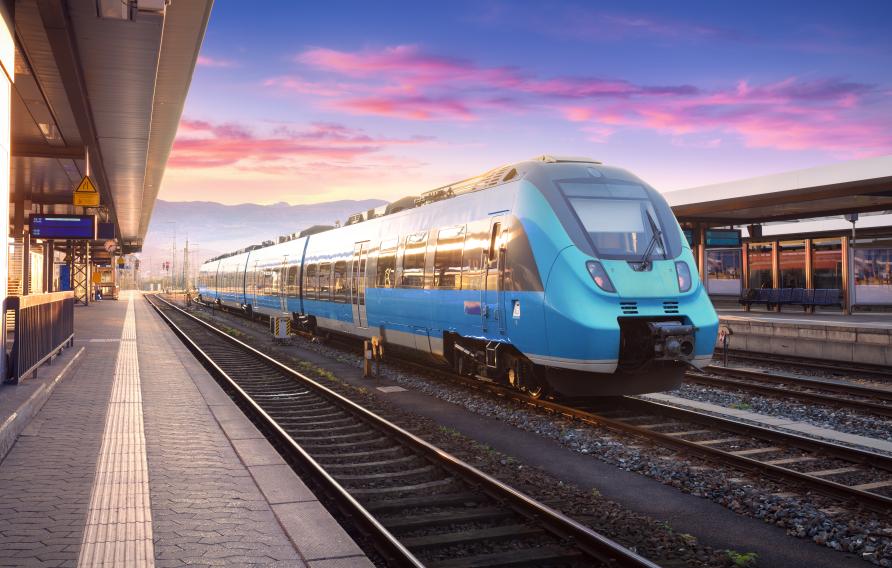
x,y
126,452
858,338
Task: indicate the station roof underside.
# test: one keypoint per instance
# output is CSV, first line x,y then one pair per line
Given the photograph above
x,y
848,187
115,87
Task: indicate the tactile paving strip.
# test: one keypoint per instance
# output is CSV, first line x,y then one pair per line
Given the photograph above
x,y
119,521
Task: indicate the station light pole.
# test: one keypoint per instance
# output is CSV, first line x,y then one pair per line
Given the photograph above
x,y
850,297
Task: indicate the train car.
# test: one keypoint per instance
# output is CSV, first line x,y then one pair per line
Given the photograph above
x,y
553,274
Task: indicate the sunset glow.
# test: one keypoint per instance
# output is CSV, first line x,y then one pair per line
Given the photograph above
x,y
306,104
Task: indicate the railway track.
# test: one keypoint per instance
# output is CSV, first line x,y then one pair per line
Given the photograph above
x,y
822,391
851,475
855,476
877,371
419,505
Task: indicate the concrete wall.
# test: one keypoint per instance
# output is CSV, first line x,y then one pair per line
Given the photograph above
x,y
831,341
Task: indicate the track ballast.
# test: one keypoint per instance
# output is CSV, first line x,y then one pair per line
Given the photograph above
x,y
419,505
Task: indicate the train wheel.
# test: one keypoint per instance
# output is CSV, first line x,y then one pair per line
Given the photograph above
x,y
522,377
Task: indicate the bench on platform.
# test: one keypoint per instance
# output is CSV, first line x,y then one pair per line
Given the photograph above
x,y
808,298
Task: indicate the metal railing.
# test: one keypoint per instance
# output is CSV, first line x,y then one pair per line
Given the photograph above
x,y
44,325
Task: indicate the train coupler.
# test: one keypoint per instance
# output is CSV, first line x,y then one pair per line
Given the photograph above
x,y
672,341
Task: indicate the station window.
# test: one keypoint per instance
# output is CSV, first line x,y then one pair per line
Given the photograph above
x,y
447,258
386,270
792,264
339,279
325,281
827,263
413,261
310,283
723,271
760,265
873,271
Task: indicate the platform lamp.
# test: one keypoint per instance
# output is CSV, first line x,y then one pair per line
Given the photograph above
x,y
850,299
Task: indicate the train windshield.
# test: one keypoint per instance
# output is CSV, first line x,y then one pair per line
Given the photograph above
x,y
620,219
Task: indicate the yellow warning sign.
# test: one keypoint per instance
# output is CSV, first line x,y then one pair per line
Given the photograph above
x,y
85,195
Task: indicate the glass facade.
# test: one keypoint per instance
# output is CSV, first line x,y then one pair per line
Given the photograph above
x,y
827,263
792,264
723,271
759,258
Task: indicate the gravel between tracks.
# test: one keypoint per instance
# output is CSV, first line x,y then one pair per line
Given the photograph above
x,y
850,422
824,521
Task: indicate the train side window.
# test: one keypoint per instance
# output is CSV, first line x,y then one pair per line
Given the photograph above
x,y
386,270
325,281
447,258
494,243
472,257
340,281
310,284
413,261
291,284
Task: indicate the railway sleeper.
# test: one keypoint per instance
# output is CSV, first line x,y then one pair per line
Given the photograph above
x,y
409,522
541,556
436,500
506,532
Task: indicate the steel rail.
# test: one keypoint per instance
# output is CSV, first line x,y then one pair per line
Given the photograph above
x,y
818,364
873,501
730,376
588,540
826,487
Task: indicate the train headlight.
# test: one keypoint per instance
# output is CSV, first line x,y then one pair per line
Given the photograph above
x,y
599,275
684,276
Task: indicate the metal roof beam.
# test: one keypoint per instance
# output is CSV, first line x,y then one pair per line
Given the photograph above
x,y
60,33
20,150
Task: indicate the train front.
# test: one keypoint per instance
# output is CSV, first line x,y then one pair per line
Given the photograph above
x,y
625,311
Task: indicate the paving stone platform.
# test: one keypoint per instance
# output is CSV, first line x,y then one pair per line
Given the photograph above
x,y
138,458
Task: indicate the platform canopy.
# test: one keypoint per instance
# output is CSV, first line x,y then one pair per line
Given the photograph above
x,y
103,77
847,187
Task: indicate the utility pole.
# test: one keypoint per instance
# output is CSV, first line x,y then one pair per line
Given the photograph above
x,y
186,266
173,257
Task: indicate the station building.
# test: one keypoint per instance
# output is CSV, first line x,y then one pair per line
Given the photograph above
x,y
826,227
90,88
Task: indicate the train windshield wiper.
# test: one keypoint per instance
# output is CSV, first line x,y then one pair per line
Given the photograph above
x,y
654,240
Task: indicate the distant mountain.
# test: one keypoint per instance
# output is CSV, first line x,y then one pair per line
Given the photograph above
x,y
216,228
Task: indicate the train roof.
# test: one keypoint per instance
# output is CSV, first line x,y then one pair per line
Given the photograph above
x,y
486,180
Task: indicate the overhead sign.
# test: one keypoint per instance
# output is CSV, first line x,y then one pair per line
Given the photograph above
x,y
85,195
63,226
717,238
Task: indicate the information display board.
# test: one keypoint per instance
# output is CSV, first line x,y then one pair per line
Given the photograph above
x,y
63,226
717,238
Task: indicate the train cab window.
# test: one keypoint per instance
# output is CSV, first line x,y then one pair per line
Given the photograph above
x,y
413,261
310,284
325,281
447,258
339,280
386,271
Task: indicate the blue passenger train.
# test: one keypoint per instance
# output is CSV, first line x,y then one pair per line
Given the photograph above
x,y
553,274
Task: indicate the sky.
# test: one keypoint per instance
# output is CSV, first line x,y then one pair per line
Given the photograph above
x,y
305,102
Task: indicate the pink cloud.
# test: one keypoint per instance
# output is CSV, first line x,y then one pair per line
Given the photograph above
x,y
202,144
207,61
830,114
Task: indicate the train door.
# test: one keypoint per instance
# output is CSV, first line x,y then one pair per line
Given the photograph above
x,y
493,271
358,283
